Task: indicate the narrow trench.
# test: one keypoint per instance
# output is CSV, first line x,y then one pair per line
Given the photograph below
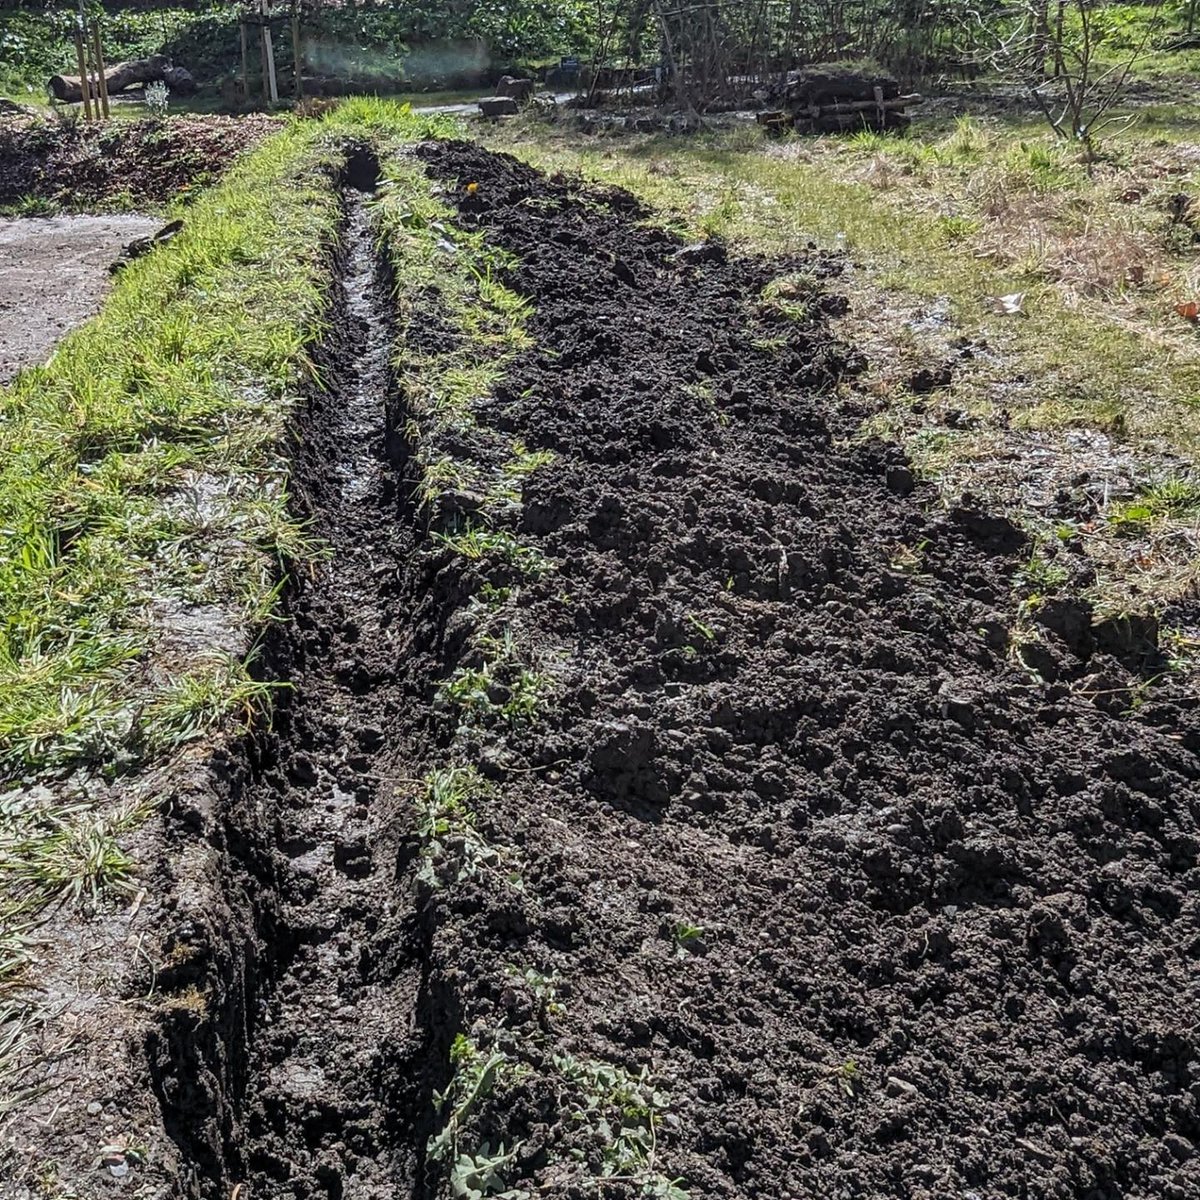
x,y
323,1051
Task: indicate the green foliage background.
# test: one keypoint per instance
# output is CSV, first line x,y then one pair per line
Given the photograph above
x,y
35,42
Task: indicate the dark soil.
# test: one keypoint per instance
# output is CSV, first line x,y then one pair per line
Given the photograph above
x,y
309,1079
947,911
790,880
141,162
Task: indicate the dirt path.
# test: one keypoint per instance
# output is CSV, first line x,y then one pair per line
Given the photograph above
x,y
53,276
331,1085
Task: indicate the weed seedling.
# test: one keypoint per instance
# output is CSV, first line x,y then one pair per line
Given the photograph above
x,y
543,987
452,848
622,1113
849,1077
477,543
687,937
476,1076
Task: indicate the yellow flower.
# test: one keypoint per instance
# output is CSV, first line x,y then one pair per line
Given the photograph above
x,y
472,188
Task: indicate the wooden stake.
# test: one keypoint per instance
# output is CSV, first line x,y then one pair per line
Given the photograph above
x,y
262,56
245,62
101,79
297,49
84,87
270,52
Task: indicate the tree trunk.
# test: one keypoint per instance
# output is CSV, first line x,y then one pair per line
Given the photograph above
x,y
117,78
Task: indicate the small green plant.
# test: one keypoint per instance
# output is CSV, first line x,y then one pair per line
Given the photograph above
x,y
792,295
501,686
1175,496
544,989
452,848
909,560
707,632
157,99
474,1176
442,475
849,1077
493,596
622,1113
476,1075
478,543
687,937
1042,575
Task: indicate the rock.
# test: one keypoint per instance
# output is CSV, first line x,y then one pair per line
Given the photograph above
x,y
499,106
710,251
180,81
513,88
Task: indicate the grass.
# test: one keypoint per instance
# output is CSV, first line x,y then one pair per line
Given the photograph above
x,y
936,227
438,266
143,462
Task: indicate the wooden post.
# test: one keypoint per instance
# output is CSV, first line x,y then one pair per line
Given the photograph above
x,y
101,80
297,49
274,90
245,62
84,88
262,58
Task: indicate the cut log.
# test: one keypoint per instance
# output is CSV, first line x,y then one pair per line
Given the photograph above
x,y
68,89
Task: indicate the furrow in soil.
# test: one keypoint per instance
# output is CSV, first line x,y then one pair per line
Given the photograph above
x,y
336,1043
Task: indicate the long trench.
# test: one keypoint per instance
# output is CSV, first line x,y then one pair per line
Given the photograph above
x,y
325,1077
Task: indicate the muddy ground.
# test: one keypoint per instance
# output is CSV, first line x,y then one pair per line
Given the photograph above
x,y
780,873
77,165
53,276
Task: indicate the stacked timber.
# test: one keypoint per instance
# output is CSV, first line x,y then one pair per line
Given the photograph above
x,y
835,97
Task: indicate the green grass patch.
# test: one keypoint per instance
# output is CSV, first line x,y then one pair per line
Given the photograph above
x,y
143,464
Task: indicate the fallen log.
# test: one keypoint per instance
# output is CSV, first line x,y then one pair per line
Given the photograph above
x,y
852,106
118,77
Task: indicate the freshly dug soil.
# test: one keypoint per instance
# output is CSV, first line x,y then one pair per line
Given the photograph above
x,y
785,876
794,828
142,162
